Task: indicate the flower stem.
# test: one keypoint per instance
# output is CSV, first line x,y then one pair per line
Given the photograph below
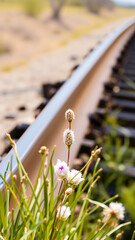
x,y
68,156
55,212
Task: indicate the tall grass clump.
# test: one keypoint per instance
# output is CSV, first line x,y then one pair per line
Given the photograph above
x,y
49,213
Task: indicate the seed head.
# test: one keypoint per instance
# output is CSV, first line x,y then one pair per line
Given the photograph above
x,y
68,137
69,115
44,150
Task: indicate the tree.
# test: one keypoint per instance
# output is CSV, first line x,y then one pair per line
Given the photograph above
x,y
95,5
92,5
56,7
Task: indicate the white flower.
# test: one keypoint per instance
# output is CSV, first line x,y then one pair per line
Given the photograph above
x,y
74,177
117,209
69,115
63,213
61,169
68,137
113,212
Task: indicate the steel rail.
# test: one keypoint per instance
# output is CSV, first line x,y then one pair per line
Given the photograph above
x,y
81,93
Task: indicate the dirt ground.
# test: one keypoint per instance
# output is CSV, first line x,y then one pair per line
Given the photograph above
x,y
36,51
23,37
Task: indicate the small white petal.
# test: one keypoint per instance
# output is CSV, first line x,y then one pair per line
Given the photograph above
x,y
74,177
63,213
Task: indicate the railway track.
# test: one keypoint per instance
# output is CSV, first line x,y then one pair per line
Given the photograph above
x,y
82,93
115,112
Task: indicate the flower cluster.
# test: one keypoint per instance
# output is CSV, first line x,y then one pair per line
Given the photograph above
x,y
63,212
73,177
61,169
62,172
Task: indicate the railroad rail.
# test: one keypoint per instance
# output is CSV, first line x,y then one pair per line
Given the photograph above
x,y
81,93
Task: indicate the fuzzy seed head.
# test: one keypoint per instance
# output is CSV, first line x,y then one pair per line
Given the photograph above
x,y
68,137
69,115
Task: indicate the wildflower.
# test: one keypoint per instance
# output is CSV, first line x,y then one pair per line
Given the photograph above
x,y
61,169
74,177
69,191
63,213
68,137
69,115
113,212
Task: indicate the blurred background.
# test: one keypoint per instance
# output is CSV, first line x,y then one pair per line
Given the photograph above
x,y
30,28
43,41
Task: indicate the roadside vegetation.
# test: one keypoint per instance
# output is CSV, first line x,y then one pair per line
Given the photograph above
x,y
50,211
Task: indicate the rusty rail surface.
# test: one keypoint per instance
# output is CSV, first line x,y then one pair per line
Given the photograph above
x,y
81,93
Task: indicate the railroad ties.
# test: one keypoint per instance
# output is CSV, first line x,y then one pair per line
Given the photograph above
x,y
115,113
48,91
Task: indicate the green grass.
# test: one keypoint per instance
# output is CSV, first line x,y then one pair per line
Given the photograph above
x,y
37,215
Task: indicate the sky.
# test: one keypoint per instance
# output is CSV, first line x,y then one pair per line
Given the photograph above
x,y
126,2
